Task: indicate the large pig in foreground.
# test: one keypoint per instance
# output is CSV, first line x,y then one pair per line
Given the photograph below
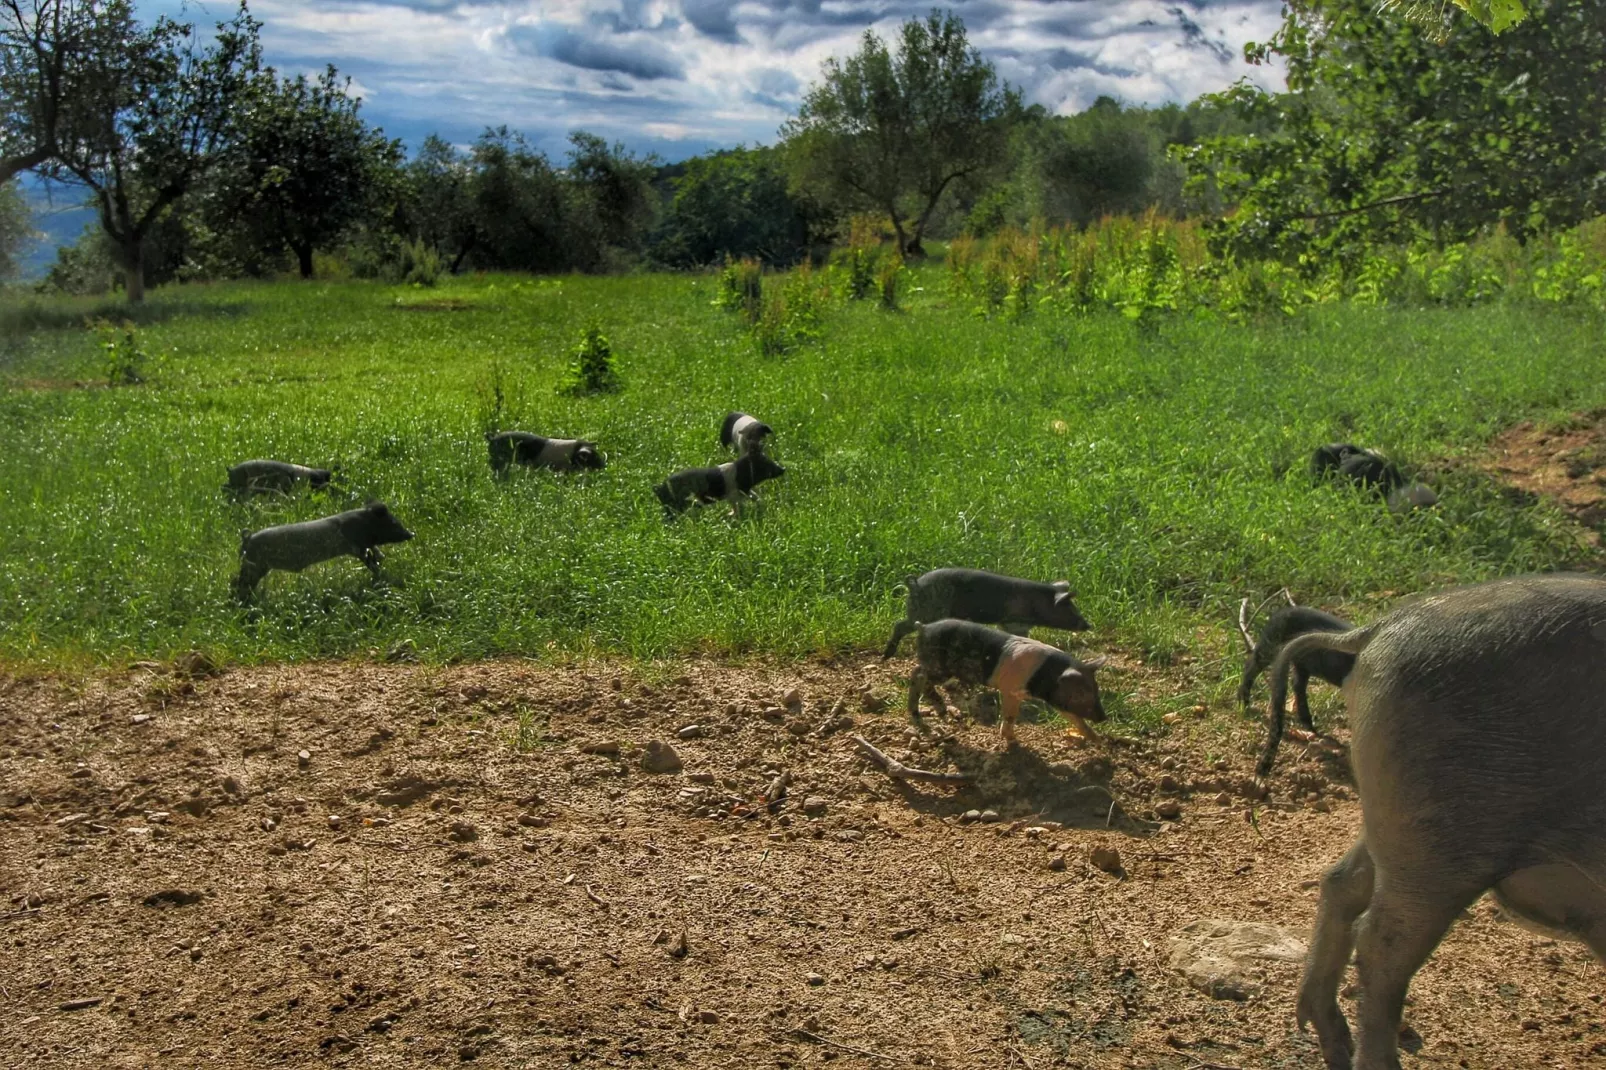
x,y
1479,748
266,477
293,547
987,598
975,655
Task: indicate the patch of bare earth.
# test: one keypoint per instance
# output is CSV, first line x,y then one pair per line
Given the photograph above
x,y
1566,465
399,866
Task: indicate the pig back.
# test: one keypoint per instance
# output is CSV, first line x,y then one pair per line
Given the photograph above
x,y
971,594
1479,720
293,547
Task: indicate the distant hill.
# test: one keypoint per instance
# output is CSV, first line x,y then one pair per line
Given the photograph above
x,y
60,216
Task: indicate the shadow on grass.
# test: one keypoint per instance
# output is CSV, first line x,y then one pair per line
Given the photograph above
x,y
35,314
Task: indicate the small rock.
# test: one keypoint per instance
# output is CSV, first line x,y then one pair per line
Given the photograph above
x,y
1172,718
793,700
1034,831
989,816
1168,762
815,979
1215,955
231,786
969,816
1169,784
81,1004
1224,799
337,1043
304,758
1107,859
679,948
773,714
799,727
463,832
1168,809
606,746
140,718
533,821
701,778
814,806
870,702
334,822
708,1017
691,731
660,757
1056,863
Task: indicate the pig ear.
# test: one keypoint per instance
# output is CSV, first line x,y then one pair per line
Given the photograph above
x,y
1064,597
1096,663
1061,585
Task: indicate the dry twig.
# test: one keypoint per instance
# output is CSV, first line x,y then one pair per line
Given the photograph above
x,y
595,898
898,771
804,1034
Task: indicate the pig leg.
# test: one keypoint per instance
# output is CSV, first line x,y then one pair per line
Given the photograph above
x,y
1009,709
917,684
1301,699
1346,891
899,630
250,575
1079,726
371,557
1252,670
1412,908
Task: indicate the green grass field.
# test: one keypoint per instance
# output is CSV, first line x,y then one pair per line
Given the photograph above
x,y
1160,468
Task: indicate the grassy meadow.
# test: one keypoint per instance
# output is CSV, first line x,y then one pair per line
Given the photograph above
x,y
1158,466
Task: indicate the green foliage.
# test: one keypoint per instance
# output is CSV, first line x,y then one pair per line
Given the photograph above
x,y
123,357
592,371
16,229
304,168
419,264
1118,474
1387,137
888,279
735,203
741,288
891,132
860,259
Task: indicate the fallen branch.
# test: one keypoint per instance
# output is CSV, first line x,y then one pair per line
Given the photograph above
x,y
898,771
804,1034
595,898
1244,616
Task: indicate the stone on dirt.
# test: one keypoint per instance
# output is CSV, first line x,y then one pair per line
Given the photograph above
x,y
660,757
1106,858
814,806
1168,809
1214,954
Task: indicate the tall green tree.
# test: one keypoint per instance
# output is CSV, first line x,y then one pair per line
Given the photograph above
x,y
735,203
171,109
612,190
1384,135
440,184
52,72
891,132
304,167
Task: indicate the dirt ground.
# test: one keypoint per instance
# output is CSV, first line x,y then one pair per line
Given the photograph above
x,y
1566,464
385,865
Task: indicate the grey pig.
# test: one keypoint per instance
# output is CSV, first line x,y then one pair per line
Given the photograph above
x,y
559,454
293,547
986,597
976,655
1328,665
743,433
731,482
1479,751
262,477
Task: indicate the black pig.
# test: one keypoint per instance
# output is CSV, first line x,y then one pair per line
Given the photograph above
x,y
731,482
293,547
976,655
1330,665
988,598
265,477
558,454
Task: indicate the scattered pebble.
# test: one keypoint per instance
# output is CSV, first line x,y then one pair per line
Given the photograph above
x,y
140,718
691,731
990,816
660,757
304,758
814,806
231,786
463,832
606,746
334,822
81,1004
793,700
1107,859
708,1017
1056,863
969,816
815,979
1168,809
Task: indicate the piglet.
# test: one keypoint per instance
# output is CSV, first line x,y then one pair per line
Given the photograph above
x,y
731,482
986,597
743,433
293,547
265,477
1372,471
558,454
976,655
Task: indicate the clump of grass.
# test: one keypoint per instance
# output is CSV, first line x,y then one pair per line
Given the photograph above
x,y
124,360
741,289
592,371
497,398
889,280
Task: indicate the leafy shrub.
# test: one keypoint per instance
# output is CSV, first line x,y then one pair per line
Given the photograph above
x,y
591,371
888,279
419,264
741,288
124,359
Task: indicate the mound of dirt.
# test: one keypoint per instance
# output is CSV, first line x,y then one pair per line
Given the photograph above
x,y
1566,465
399,865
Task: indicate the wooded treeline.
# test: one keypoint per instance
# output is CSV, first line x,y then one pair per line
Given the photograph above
x,y
203,162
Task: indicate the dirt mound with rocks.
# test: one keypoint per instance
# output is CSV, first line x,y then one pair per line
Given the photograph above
x,y
693,864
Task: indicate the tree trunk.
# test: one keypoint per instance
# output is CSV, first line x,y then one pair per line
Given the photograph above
x,y
304,260
134,271
897,228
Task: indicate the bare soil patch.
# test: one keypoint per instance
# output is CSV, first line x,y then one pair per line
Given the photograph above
x,y
1565,464
390,865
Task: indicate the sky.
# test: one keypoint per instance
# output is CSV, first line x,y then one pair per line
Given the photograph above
x,y
679,77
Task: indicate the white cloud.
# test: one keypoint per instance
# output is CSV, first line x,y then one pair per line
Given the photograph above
x,y
679,76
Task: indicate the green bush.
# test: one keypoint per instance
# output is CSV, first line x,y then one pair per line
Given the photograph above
x,y
591,371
